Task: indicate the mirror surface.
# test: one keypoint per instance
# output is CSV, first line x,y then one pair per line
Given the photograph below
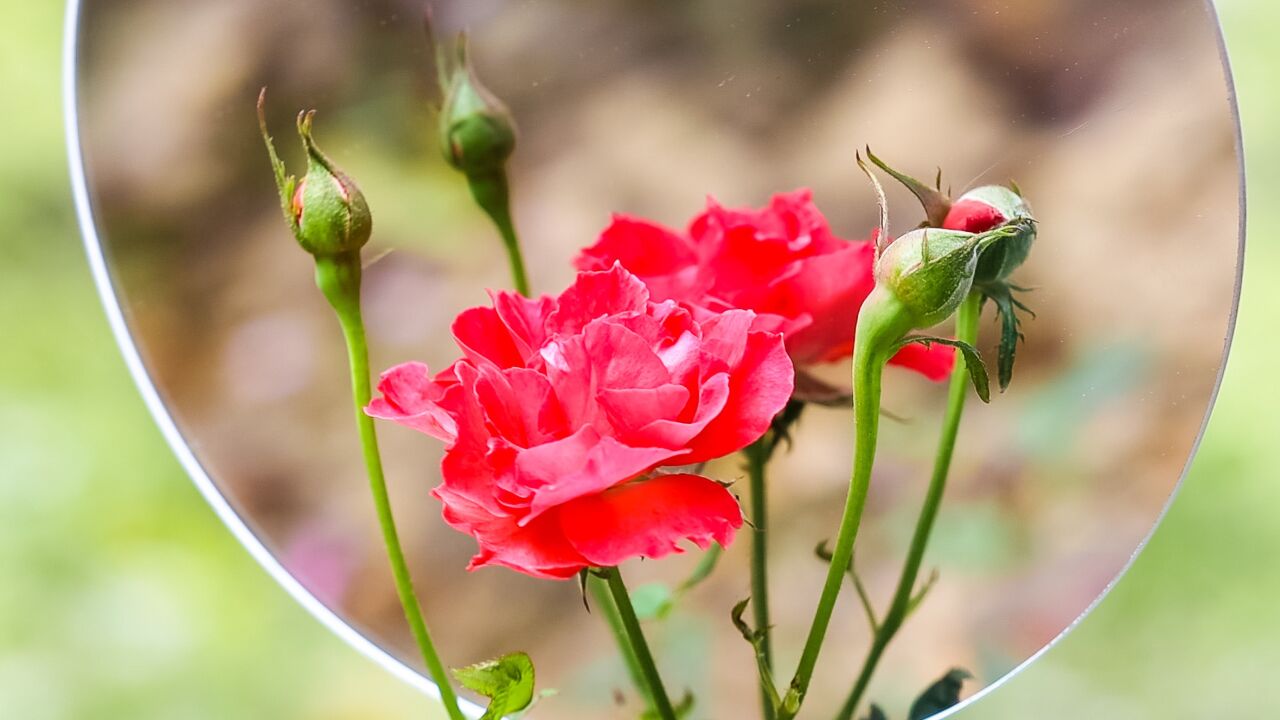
x,y
1115,118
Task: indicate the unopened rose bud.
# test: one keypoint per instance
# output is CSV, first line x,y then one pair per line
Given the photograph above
x,y
931,270
991,206
326,211
477,132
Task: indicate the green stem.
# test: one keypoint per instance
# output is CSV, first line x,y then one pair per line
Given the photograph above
x,y
882,321
492,193
604,601
966,331
662,703
339,279
757,455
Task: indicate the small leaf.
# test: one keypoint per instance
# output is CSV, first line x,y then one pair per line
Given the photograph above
x,y
876,713
941,695
652,601
920,595
811,389
972,361
507,682
682,709
736,615
756,638
780,428
824,553
703,570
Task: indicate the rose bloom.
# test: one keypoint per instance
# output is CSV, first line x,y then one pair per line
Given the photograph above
x,y
562,410
782,261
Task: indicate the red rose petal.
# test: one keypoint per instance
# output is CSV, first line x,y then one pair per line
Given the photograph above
x,y
650,518
934,362
410,397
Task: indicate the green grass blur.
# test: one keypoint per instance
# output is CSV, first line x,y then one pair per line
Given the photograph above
x,y
121,596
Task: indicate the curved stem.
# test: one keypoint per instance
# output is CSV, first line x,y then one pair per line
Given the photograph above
x,y
868,367
604,601
757,455
492,193
339,279
644,657
966,331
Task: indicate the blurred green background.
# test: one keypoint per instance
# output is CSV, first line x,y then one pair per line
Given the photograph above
x,y
121,596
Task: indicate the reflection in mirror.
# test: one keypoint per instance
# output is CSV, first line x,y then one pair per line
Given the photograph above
x,y
1113,117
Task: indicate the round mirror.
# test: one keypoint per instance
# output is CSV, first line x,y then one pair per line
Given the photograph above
x,y
1115,118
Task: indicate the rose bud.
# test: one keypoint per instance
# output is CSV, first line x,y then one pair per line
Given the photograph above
x,y
976,211
477,131
931,270
988,207
327,212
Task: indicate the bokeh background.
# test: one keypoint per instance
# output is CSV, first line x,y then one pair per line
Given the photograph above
x,y
128,600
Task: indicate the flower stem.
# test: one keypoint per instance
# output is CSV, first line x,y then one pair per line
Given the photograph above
x,y
662,703
966,331
604,601
492,193
339,279
881,322
757,455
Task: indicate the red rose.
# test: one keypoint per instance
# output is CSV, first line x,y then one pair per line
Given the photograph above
x,y
783,262
562,408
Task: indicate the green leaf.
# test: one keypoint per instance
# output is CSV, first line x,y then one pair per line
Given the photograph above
x,y
683,709
876,713
972,361
920,595
756,638
939,696
824,553
652,601
507,682
703,570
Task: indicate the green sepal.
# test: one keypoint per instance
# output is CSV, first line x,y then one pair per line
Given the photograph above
x,y
756,638
1007,307
936,203
882,235
285,182
875,713
583,577
972,361
507,681
940,696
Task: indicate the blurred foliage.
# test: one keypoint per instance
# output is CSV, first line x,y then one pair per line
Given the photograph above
x,y
123,597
